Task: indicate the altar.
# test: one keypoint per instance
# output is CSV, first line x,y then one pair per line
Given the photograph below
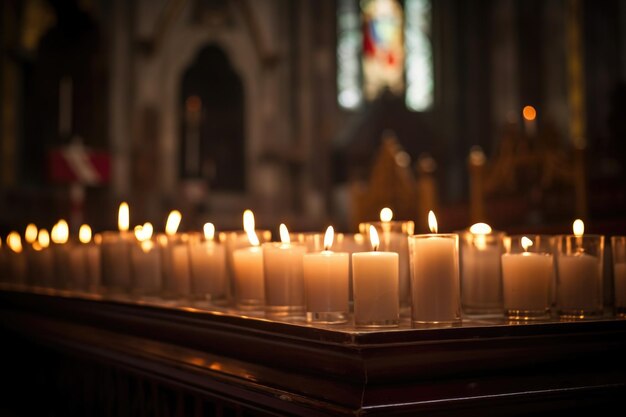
x,y
73,354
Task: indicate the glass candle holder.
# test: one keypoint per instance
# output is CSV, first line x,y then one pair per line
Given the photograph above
x,y
146,267
284,279
579,284
618,246
208,270
394,237
375,285
435,279
326,282
116,269
481,272
527,276
176,266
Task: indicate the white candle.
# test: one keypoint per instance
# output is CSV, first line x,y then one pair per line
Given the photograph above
x,y
115,247
208,267
45,263
579,283
175,259
284,281
16,259
619,271
435,280
326,283
375,284
62,250
526,280
248,270
146,263
181,285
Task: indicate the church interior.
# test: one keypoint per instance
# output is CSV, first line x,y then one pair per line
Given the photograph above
x,y
309,114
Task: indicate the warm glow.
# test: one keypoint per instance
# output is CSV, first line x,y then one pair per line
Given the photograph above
x,y
374,238
97,238
432,222
359,239
60,232
480,229
144,233
579,228
328,237
209,231
529,113
43,238
526,243
248,220
123,217
284,234
30,236
14,242
84,233
173,221
386,215
36,246
253,238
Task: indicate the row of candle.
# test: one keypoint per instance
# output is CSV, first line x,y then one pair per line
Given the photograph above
x,y
405,273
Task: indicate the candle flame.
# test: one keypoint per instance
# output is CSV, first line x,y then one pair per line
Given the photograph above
x,y
173,221
14,242
284,234
328,237
529,113
253,238
432,222
209,231
248,220
374,238
386,215
36,246
144,233
123,217
60,232
43,238
480,229
526,243
579,228
30,235
97,238
84,233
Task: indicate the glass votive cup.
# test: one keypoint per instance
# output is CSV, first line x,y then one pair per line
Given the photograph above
x,y
394,237
116,269
176,266
146,265
481,272
435,279
579,283
284,279
326,283
527,277
375,284
248,279
208,270
618,247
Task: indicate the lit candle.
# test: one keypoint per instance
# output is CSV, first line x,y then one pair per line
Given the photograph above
x,y
579,279
481,271
61,251
208,267
284,281
248,270
17,260
435,279
32,250
45,262
77,260
146,263
326,281
115,249
375,276
526,279
530,123
176,268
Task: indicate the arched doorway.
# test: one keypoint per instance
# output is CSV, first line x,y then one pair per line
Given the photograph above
x,y
212,122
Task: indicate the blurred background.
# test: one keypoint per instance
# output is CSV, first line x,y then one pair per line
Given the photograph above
x,y
314,112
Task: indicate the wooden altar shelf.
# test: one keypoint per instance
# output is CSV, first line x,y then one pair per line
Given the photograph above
x,y
252,366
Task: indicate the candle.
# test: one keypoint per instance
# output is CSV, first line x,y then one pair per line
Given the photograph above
x,y
115,251
16,259
284,281
175,259
61,253
579,280
248,270
435,278
618,246
375,276
526,278
145,263
530,123
326,283
45,260
77,260
394,237
481,271
32,250
208,267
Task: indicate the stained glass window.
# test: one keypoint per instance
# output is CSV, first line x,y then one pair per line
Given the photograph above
x,y
384,45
